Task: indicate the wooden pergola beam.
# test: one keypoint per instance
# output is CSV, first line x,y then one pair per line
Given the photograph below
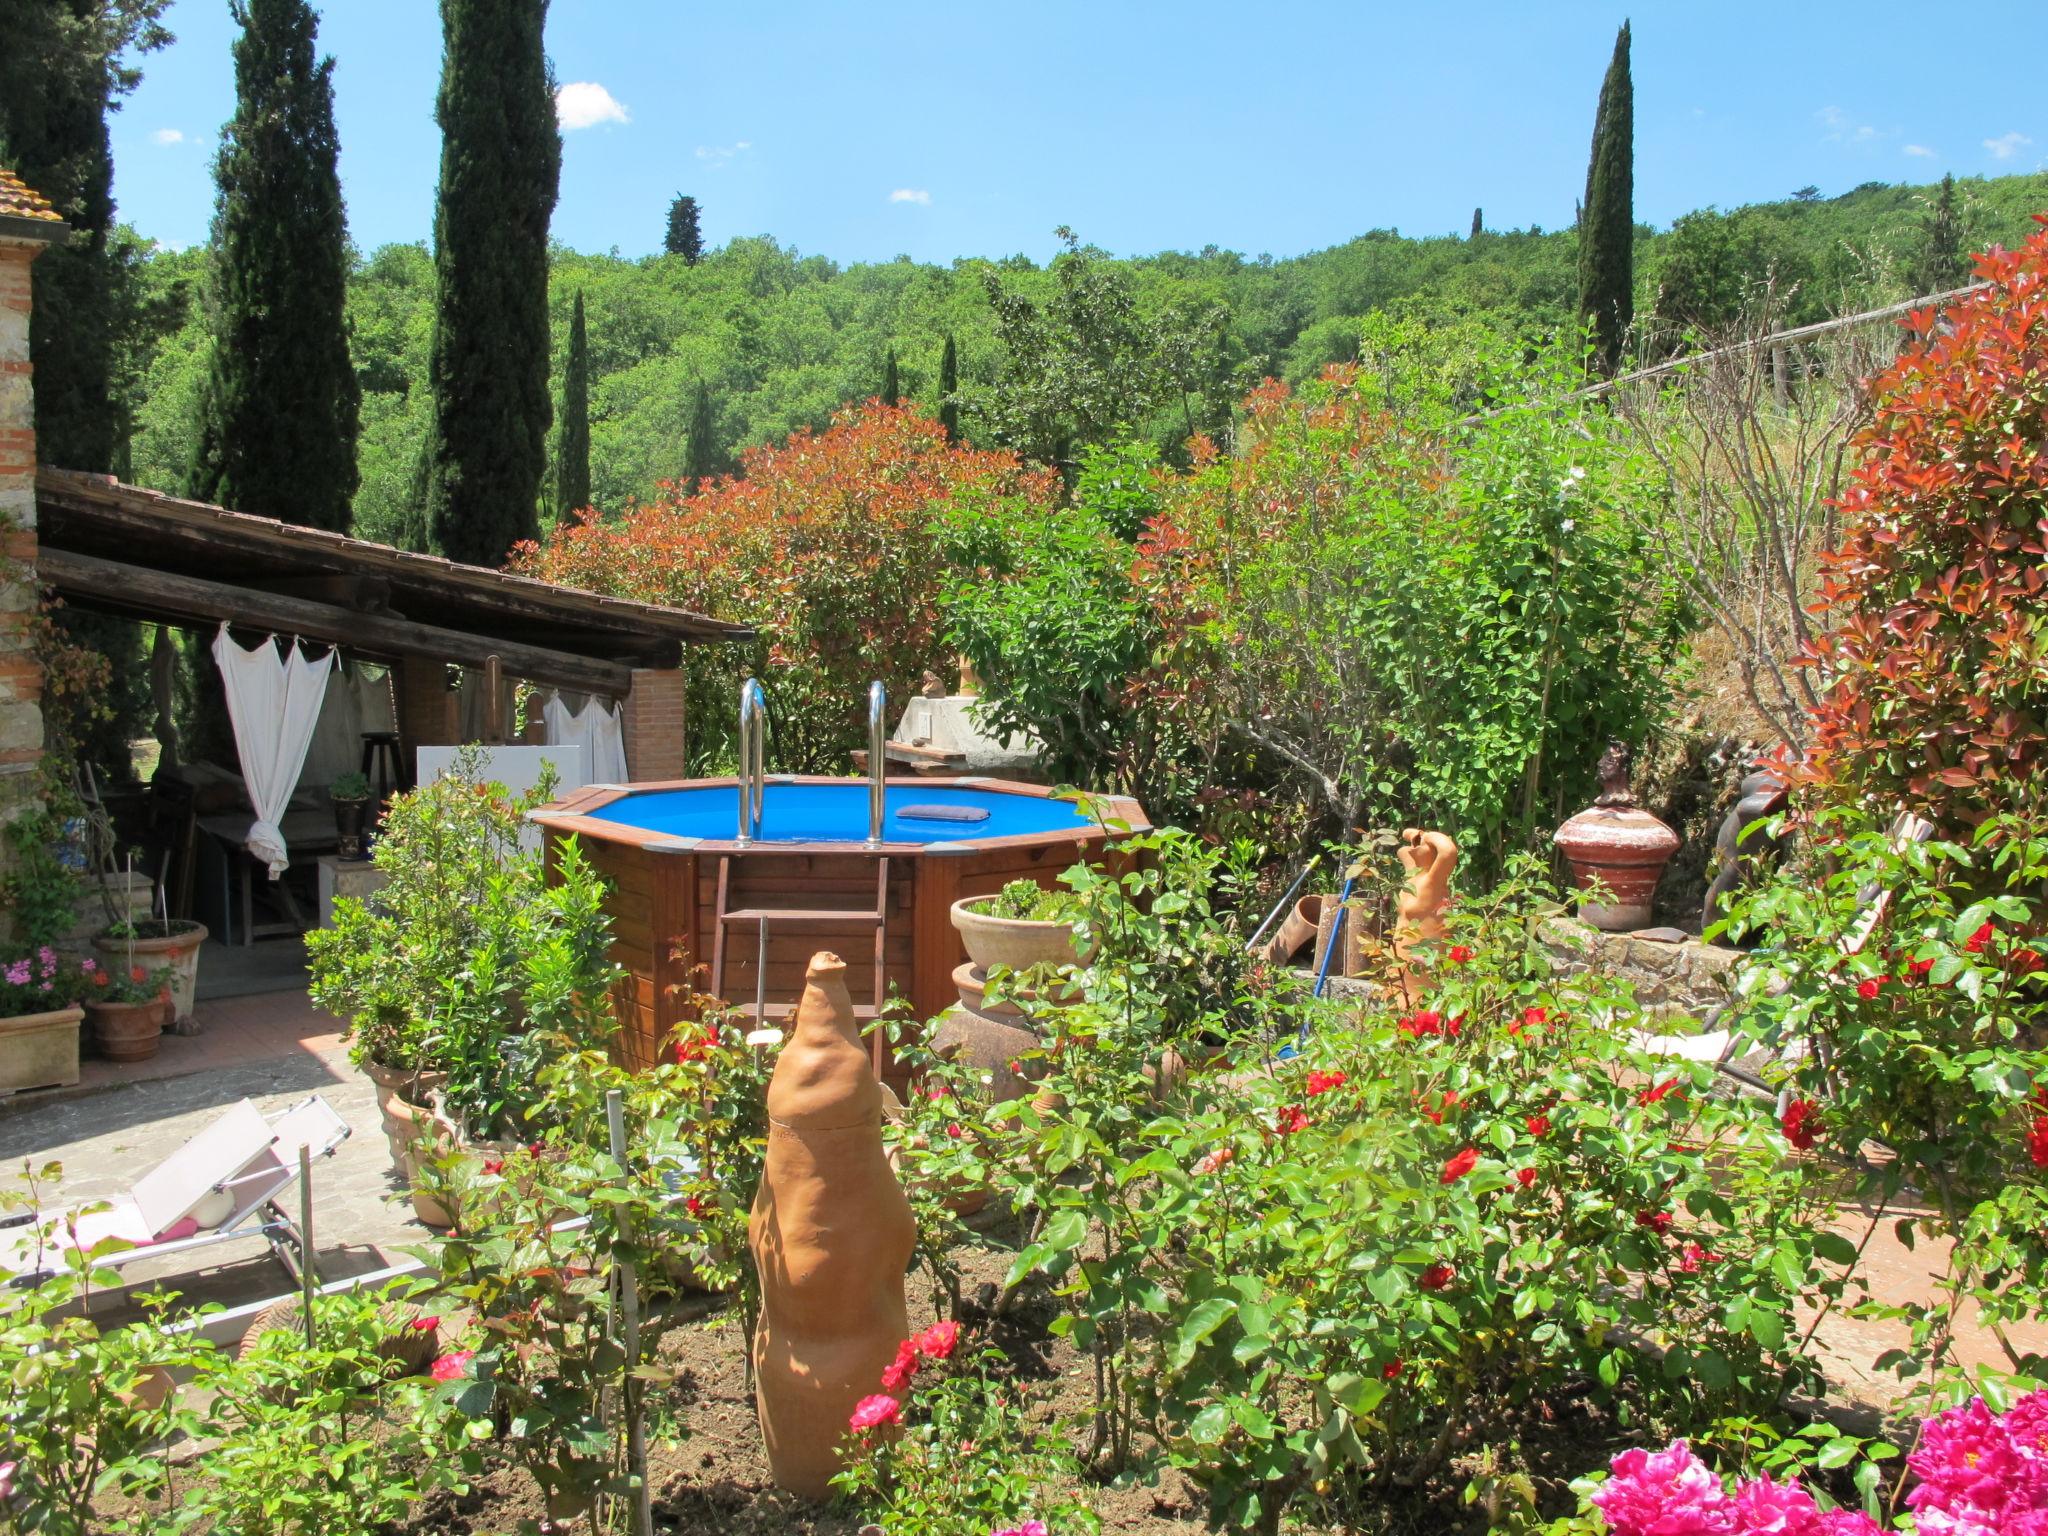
x,y
148,594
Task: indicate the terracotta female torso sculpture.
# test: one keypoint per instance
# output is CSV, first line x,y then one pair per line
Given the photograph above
x,y
1429,858
831,1235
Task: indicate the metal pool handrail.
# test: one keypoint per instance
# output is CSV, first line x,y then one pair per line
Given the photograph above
x,y
753,759
878,760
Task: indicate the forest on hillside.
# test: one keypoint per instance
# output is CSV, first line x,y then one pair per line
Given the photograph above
x,y
779,340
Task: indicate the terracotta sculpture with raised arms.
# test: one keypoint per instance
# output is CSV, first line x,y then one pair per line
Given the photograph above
x,y
1429,859
831,1235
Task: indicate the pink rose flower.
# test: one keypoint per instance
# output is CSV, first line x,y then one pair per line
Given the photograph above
x,y
453,1367
872,1412
938,1341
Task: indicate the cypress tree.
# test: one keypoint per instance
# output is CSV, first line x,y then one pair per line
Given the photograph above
x,y
501,158
62,70
572,447
949,386
1607,229
1942,263
279,412
1478,222
683,239
892,385
701,461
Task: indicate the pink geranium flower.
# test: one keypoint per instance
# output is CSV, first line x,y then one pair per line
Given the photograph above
x,y
1664,1493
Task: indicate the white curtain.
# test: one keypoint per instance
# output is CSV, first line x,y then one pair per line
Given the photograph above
x,y
274,702
596,728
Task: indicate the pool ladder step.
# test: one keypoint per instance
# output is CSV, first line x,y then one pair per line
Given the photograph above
x,y
761,1010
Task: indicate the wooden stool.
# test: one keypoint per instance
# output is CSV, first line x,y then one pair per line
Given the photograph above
x,y
383,764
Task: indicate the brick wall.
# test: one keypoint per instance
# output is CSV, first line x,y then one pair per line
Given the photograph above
x,y
655,721
21,678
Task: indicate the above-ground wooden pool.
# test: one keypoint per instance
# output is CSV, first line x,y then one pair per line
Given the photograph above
x,y
687,893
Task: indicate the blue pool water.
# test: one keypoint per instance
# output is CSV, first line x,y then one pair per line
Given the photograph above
x,y
838,813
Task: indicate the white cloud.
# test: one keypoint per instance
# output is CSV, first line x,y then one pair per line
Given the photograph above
x,y
586,104
916,195
1919,151
169,136
719,156
2006,145
1843,129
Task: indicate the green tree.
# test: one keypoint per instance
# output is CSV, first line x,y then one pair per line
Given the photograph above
x,y
684,238
501,159
63,67
892,384
572,446
1478,222
280,412
702,463
1943,260
1607,230
949,387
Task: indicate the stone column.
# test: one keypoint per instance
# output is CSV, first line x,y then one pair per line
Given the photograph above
x,y
654,711
28,227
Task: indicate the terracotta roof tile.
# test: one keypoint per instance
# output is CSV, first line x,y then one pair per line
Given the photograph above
x,y
20,201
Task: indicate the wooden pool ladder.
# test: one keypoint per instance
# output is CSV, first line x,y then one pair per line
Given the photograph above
x,y
765,1013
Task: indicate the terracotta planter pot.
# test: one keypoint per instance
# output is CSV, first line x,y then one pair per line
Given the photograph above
x,y
1011,941
39,1050
127,1031
178,948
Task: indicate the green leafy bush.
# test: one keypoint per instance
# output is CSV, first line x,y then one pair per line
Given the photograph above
x,y
1026,901
1342,1271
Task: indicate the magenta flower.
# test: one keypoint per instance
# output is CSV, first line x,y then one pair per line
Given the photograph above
x,y
1970,1470
1664,1493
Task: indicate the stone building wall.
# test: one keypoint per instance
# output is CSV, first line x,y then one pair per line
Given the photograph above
x,y
1672,973
21,717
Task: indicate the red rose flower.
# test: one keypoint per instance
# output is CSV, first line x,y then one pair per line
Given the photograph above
x,y
1916,970
1323,1082
1532,1018
1539,1125
1657,1221
2037,1141
1869,987
1437,1277
424,1324
897,1373
2025,961
453,1367
1460,954
1801,1123
494,1165
1460,1164
1527,1177
1652,1095
1426,1022
937,1342
1391,1369
1980,940
695,1205
1692,1256
1291,1118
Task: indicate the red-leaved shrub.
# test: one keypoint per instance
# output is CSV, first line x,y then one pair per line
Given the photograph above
x,y
1939,652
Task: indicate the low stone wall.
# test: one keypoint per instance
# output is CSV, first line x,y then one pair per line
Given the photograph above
x,y
1672,971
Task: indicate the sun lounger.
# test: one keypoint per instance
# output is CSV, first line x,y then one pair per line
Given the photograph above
x,y
225,1184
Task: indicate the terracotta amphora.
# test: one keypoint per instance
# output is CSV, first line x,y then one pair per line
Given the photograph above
x,y
831,1236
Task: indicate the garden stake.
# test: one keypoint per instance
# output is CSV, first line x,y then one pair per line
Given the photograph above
x,y
306,1279
629,1306
1336,935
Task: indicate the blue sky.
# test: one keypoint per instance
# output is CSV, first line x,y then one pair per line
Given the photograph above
x,y
861,131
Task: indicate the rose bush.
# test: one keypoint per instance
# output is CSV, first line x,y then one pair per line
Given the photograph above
x,y
1341,1271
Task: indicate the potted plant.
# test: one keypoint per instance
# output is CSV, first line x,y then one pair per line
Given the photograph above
x,y
351,796
39,1018
1021,926
168,944
126,1009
